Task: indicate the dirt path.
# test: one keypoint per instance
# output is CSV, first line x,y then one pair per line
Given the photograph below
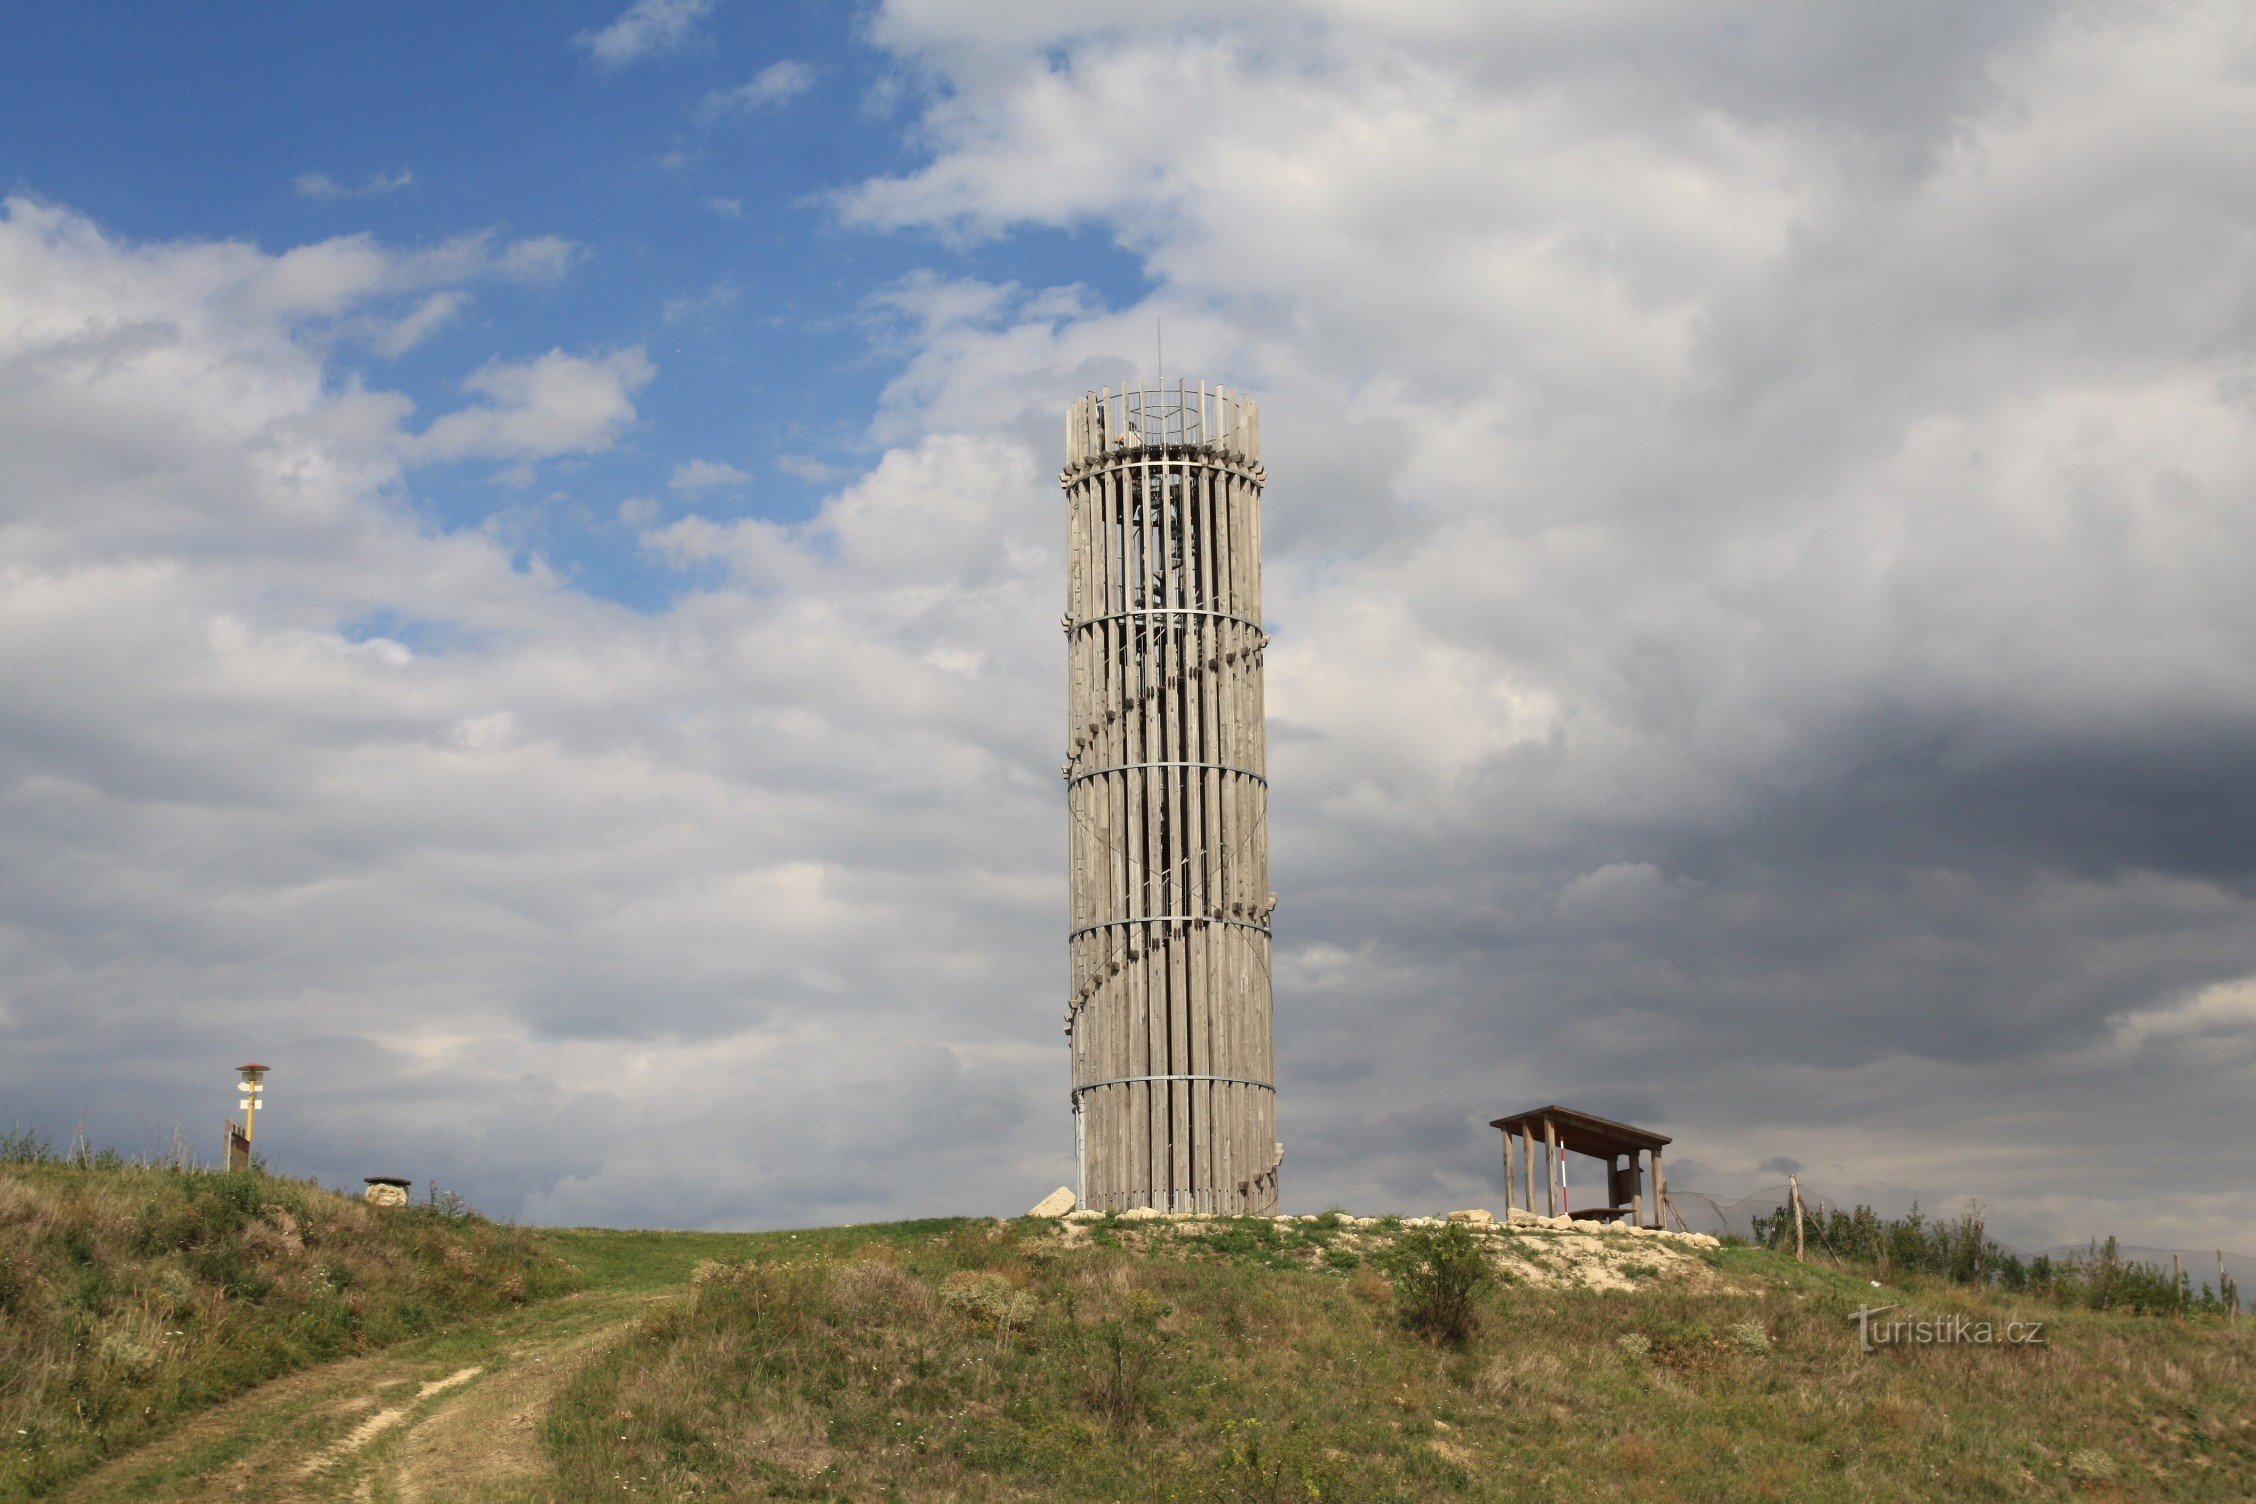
x,y
451,1419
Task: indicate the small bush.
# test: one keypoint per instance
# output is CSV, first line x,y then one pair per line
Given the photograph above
x,y
989,1296
1119,1359
872,1289
1439,1276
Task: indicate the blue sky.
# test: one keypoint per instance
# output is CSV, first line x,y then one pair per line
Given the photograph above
x,y
704,232
530,571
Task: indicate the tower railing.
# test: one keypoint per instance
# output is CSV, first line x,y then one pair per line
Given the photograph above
x,y
1186,415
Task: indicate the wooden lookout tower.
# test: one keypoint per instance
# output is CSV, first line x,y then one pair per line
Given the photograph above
x,y
1169,1014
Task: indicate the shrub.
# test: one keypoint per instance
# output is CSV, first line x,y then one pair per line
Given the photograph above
x,y
1439,1276
1960,1250
989,1296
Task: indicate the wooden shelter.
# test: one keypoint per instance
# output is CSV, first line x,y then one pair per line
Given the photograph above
x,y
1555,1131
1174,1106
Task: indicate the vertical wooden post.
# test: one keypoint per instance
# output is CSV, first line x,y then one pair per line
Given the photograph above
x,y
2177,1277
1794,1193
1551,1167
1527,1154
1508,1184
1661,1207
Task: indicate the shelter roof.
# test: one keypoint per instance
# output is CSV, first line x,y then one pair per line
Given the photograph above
x,y
1583,1132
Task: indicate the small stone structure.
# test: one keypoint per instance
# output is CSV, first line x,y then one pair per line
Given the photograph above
x,y
386,1190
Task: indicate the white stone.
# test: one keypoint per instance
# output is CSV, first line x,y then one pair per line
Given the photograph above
x,y
1141,1214
1477,1216
1086,1214
1056,1204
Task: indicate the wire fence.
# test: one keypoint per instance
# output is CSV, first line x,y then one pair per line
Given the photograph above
x,y
1761,1216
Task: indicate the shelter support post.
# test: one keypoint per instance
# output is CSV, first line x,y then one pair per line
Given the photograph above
x,y
1551,1168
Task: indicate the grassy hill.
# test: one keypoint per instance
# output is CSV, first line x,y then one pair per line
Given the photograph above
x,y
1242,1362
1113,1360
132,1295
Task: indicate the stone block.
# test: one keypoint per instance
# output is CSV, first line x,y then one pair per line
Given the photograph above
x,y
1056,1204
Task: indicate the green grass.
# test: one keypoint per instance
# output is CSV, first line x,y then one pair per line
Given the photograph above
x,y
614,1259
132,1295
1021,1361
968,1360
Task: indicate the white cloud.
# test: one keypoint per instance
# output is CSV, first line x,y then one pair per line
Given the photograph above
x,y
647,28
427,824
321,185
718,298
1752,560
704,475
538,258
808,468
2221,1015
553,404
435,312
772,87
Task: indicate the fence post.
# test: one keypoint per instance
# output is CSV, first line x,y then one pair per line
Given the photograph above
x,y
1794,1193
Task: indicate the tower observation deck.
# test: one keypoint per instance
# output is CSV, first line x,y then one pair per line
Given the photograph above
x,y
1174,1099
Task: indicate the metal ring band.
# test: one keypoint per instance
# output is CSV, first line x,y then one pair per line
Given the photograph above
x,y
1130,767
1210,456
1134,1080
1113,924
1243,621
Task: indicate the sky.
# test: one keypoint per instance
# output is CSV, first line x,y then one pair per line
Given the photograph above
x,y
530,554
